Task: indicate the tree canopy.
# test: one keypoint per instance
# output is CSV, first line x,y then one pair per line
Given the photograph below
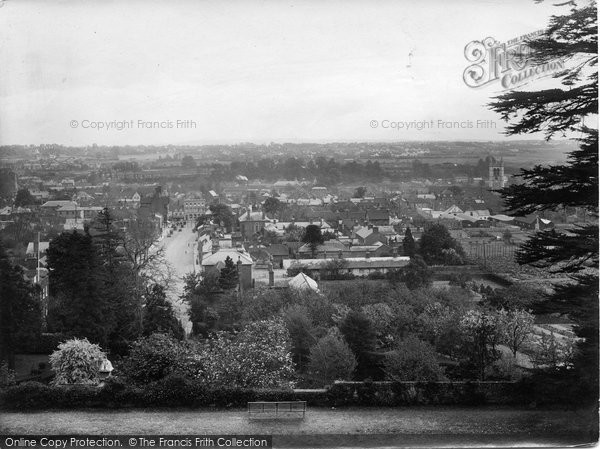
x,y
564,110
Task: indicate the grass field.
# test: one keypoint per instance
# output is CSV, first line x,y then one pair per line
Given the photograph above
x,y
350,427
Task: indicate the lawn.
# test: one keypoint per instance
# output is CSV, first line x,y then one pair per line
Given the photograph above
x,y
352,427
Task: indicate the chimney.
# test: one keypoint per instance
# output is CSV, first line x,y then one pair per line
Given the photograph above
x,y
375,229
368,254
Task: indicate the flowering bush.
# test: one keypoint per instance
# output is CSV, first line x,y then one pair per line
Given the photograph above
x,y
258,356
76,362
382,317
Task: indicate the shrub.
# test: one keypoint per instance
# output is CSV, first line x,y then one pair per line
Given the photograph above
x,y
155,357
173,390
76,362
332,359
414,360
28,395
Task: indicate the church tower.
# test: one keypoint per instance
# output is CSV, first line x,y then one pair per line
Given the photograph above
x,y
496,174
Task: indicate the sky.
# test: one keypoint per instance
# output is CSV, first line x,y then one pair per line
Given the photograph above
x,y
249,70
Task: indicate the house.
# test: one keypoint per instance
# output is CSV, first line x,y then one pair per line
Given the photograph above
x,y
51,207
251,223
216,261
34,247
369,235
278,253
533,222
358,266
378,217
328,249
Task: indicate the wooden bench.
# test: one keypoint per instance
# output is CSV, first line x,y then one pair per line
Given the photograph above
x,y
280,409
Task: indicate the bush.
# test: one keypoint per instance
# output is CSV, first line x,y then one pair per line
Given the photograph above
x,y
173,390
76,362
414,360
28,395
157,356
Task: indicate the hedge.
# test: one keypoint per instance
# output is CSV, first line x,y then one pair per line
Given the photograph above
x,y
177,391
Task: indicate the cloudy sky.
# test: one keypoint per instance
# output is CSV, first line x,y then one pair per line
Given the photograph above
x,y
248,70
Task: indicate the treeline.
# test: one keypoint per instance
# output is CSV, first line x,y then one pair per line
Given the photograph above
x,y
325,171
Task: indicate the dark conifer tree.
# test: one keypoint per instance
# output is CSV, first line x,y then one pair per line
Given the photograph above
x,y
572,37
20,310
408,243
159,316
229,275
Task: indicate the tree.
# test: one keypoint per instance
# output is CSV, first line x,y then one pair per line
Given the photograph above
x,y
159,316
572,37
336,269
78,303
553,353
416,274
272,205
438,247
20,309
229,276
331,359
24,198
481,332
359,192
300,328
515,327
413,360
313,238
360,335
76,362
188,161
382,316
221,215
200,293
408,243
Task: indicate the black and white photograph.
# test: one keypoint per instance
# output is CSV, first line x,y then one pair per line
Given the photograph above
x,y
299,224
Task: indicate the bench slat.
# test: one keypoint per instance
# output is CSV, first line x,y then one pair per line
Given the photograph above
x,y
265,407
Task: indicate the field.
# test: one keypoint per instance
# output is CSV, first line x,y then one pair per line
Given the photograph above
x,y
350,427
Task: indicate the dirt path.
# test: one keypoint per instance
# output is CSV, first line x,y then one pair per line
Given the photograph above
x,y
353,427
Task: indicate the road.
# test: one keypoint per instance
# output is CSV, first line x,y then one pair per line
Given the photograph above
x,y
180,256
